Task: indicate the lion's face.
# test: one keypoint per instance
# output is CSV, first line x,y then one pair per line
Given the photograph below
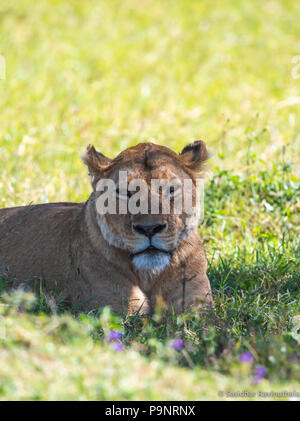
x,y
148,217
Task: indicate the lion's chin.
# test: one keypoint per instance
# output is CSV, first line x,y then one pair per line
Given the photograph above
x,y
154,263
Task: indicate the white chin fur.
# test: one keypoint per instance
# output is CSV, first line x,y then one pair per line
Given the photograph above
x,y
153,264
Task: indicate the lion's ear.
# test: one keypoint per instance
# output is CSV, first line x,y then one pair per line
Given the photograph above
x,y
194,155
95,161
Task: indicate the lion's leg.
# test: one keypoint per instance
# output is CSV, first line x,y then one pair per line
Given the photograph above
x,y
137,302
188,289
189,294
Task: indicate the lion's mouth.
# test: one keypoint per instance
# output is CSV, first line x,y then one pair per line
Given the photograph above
x,y
150,250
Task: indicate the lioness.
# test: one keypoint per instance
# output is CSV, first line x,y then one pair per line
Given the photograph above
x,y
123,260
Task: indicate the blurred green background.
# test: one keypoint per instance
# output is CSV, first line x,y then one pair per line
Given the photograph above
x,y
117,73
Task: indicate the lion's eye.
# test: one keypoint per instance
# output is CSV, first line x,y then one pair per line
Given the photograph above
x,y
174,190
126,193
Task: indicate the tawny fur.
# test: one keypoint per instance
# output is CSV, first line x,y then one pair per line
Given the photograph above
x,y
61,246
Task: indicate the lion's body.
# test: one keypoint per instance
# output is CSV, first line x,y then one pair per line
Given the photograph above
x,y
61,246
50,244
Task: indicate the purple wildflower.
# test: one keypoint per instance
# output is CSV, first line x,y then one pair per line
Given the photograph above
x,y
294,358
118,346
114,335
177,344
260,373
246,357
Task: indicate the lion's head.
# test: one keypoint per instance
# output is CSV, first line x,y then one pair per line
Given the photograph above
x,y
142,217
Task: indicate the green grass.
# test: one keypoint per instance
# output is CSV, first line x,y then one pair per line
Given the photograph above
x,y
114,74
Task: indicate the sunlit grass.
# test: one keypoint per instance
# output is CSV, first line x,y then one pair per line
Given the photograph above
x,y
115,74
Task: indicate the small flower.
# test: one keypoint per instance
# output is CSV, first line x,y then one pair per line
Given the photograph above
x,y
294,358
246,357
118,346
114,335
260,373
177,344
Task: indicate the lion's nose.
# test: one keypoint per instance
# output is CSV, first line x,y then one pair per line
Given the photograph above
x,y
149,230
